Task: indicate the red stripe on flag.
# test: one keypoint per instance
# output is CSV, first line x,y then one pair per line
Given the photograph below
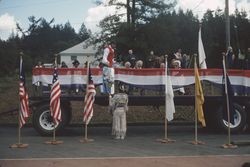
x,y
55,102
88,103
24,104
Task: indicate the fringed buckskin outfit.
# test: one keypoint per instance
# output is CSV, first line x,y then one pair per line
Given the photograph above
x,y
119,107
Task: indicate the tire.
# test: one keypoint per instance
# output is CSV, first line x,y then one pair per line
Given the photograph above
x,y
248,117
209,116
66,108
43,122
240,120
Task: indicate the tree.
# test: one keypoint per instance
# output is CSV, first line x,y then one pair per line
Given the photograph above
x,y
39,42
43,39
84,33
140,13
214,34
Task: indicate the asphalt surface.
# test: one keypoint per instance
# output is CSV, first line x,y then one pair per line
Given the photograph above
x,y
139,143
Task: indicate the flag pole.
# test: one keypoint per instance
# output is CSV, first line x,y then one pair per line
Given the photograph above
x,y
196,141
54,141
195,106
229,144
86,125
85,138
166,139
19,127
166,129
19,144
54,130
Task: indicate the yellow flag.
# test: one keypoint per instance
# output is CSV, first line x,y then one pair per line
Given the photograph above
x,y
199,97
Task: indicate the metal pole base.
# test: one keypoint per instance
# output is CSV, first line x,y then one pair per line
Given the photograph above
x,y
197,142
87,140
229,146
19,145
54,142
165,140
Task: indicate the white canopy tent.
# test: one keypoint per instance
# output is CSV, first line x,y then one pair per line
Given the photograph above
x,y
82,52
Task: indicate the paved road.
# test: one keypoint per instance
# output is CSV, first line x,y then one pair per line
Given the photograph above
x,y
140,142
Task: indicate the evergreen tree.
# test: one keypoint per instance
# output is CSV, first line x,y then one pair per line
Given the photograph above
x,y
84,33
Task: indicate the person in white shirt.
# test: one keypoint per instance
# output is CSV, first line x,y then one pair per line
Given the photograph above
x,y
108,71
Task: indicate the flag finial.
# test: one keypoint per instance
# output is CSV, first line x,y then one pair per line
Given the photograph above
x,y
55,60
21,54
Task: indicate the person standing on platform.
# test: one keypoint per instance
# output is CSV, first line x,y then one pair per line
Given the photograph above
x,y
64,65
178,56
230,57
150,63
131,58
119,107
76,87
247,59
75,63
108,70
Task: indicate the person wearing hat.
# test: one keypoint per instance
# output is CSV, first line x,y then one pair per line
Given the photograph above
x,y
119,107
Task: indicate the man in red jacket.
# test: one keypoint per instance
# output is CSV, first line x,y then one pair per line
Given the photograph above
x,y
108,70
108,55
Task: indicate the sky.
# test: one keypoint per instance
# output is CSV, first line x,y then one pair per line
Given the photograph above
x,y
85,11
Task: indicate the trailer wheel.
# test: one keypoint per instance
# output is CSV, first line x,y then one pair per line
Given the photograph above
x,y
239,119
66,108
43,122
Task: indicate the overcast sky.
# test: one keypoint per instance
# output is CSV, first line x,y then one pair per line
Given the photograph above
x,y
79,11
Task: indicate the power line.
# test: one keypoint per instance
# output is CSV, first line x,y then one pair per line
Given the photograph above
x,y
198,4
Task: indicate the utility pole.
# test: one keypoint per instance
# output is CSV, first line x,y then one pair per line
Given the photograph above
x,y
128,12
133,15
227,24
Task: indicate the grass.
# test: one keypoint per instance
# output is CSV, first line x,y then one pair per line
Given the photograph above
x,y
8,93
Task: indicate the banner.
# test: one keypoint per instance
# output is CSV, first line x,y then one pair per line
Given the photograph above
x,y
146,78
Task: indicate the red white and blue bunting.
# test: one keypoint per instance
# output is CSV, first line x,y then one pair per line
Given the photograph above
x,y
240,79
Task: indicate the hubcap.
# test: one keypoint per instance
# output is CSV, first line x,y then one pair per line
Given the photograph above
x,y
237,120
46,121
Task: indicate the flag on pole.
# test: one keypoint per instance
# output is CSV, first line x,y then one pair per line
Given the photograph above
x,y
23,95
199,97
227,91
89,98
55,94
201,52
169,93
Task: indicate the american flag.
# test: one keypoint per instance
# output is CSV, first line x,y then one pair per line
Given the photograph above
x,y
89,99
228,94
169,93
23,95
55,93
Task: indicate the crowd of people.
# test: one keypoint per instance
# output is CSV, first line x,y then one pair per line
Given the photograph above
x,y
242,61
177,60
